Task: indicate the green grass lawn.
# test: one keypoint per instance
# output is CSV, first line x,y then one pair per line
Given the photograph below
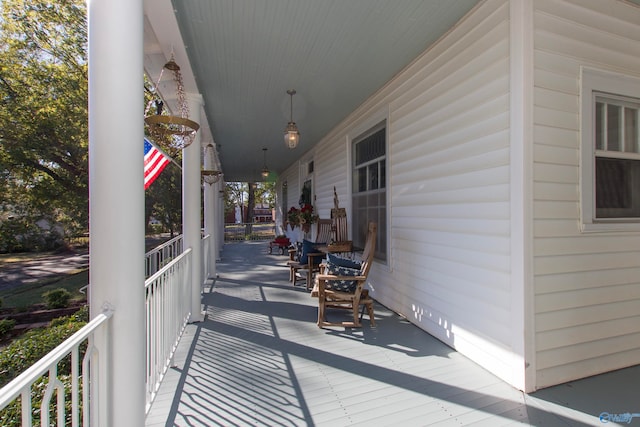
x,y
31,293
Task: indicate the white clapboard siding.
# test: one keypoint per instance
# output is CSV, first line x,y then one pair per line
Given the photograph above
x,y
587,286
292,178
331,163
448,267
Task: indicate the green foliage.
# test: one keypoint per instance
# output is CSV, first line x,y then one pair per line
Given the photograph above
x,y
81,316
163,199
25,351
57,298
6,325
21,234
43,114
239,193
35,344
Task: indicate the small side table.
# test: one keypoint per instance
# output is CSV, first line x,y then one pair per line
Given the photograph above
x,y
282,244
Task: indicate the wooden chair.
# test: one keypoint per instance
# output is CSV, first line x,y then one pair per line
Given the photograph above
x,y
328,297
339,229
312,265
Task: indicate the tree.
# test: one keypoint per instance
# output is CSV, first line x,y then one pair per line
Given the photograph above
x,y
234,195
251,204
265,193
163,199
237,192
43,111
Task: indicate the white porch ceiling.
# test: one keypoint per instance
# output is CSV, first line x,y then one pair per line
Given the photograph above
x,y
243,55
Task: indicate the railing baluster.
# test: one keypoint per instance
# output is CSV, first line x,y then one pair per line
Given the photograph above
x,y
166,318
25,401
88,388
74,387
161,255
167,315
22,385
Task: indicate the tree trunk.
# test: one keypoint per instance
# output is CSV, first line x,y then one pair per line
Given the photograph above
x,y
251,202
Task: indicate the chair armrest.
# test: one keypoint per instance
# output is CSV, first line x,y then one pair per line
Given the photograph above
x,y
319,287
333,277
311,258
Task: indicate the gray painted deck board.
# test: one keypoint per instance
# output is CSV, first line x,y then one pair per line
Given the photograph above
x,y
259,359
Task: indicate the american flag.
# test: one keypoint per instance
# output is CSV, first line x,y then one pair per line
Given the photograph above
x,y
154,162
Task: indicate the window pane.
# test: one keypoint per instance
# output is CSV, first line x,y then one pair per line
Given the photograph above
x,y
631,130
383,174
617,188
613,127
600,126
362,179
371,148
611,184
373,176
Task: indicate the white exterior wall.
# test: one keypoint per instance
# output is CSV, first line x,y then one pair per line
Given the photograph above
x,y
448,182
587,290
451,268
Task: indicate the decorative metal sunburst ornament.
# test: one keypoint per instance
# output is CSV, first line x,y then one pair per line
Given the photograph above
x,y
176,132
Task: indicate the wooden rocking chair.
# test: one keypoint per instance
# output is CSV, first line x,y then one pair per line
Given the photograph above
x,y
331,296
312,265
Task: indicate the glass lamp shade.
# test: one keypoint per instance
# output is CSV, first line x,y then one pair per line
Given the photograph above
x,y
291,136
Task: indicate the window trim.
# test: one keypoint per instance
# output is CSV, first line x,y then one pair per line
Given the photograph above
x,y
595,82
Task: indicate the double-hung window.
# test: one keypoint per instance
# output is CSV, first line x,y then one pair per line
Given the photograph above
x,y
610,151
369,197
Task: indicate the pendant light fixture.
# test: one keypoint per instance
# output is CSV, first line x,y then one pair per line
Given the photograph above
x,y
291,134
265,171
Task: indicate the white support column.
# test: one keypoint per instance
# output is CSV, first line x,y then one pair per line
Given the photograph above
x,y
220,211
210,228
116,194
191,219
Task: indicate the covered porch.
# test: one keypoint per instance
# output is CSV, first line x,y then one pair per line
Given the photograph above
x,y
258,358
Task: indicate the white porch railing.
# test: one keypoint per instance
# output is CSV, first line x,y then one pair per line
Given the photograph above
x,y
84,394
167,313
167,305
161,255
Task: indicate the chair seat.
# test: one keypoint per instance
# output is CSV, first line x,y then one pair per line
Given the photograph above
x,y
345,288
322,236
365,301
298,270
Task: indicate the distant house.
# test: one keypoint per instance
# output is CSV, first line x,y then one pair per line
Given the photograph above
x,y
263,213
501,167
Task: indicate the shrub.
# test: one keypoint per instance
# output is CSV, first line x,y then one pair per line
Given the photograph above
x,y
6,325
31,347
57,298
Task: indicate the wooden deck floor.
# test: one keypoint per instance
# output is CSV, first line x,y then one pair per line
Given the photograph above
x,y
260,360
